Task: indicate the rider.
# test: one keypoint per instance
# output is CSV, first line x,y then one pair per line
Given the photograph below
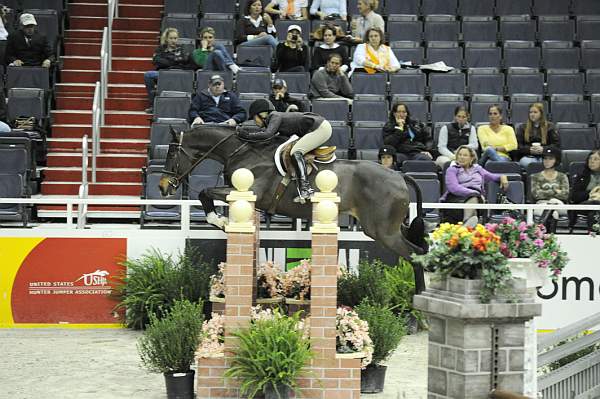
x,y
312,129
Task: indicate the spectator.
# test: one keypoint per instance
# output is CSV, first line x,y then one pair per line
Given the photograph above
x,y
550,187
312,129
496,139
290,9
331,82
169,55
453,135
368,19
328,34
410,137
586,188
535,136
387,157
255,29
281,99
26,47
292,54
329,9
374,56
216,105
213,56
465,183
3,34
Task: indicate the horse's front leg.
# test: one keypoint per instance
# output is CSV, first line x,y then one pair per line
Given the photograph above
x,y
207,198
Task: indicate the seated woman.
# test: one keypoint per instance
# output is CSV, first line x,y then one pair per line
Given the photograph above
x,y
535,136
453,135
586,188
329,9
387,157
255,29
550,187
374,56
496,139
295,9
213,56
169,55
465,183
410,137
328,34
292,55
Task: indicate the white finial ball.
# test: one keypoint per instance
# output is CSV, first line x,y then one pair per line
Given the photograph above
x,y
327,181
240,211
242,179
327,212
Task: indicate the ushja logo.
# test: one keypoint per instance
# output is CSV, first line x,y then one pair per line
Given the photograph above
x,y
96,278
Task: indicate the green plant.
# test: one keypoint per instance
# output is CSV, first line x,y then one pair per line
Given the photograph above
x,y
385,329
169,344
470,253
369,283
272,353
400,280
154,281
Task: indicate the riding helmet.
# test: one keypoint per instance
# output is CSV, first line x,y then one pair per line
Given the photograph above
x,y
258,106
552,151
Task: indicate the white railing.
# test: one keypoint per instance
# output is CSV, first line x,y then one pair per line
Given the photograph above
x,y
83,188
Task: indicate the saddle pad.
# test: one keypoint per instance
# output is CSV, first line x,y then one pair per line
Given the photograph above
x,y
278,151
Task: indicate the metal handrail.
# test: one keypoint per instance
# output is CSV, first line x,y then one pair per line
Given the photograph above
x,y
97,113
83,188
113,12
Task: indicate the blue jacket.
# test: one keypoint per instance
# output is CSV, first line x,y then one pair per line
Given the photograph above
x,y
204,106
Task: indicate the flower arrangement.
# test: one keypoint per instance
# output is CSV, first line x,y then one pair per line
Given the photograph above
x,y
269,280
467,252
352,334
295,283
212,336
217,282
522,240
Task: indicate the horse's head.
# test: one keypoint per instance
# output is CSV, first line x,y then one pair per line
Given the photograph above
x,y
178,161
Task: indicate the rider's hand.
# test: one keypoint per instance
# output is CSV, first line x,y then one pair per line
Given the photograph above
x,y
46,63
197,121
231,122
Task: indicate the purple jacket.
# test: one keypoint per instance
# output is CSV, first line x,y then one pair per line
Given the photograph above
x,y
464,183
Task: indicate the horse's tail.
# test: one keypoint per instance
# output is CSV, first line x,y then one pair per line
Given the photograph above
x,y
409,180
416,234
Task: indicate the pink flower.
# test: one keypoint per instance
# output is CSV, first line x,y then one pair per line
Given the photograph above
x,y
522,226
508,220
557,272
539,243
554,254
543,264
523,237
491,227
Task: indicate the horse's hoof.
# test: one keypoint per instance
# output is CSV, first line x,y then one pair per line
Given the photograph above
x,y
217,220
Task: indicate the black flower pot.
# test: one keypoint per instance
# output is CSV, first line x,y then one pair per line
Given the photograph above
x,y
180,385
372,379
271,393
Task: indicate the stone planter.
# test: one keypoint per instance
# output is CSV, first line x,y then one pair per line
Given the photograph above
x,y
474,346
527,269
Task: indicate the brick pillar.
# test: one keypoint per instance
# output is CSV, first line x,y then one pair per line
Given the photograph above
x,y
329,376
242,237
475,347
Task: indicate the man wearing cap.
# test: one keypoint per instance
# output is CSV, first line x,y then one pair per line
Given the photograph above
x,y
216,105
290,9
331,82
292,54
26,47
282,100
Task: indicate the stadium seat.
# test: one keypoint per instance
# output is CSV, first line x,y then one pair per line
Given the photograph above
x,y
365,83
588,27
27,77
193,6
560,55
369,108
483,28
511,7
453,82
442,106
158,212
26,102
247,98
565,81
556,27
175,80
482,55
512,170
485,81
253,82
517,27
520,103
297,82
416,104
577,136
333,110
569,157
172,104
48,24
249,57
476,8
160,131
368,135
595,103
12,185
340,136
221,23
406,51
447,7
519,53
592,81
282,26
551,7
441,28
408,81
590,54
524,80
430,192
585,7
515,193
202,78
569,108
402,7
405,27
186,24
448,52
481,102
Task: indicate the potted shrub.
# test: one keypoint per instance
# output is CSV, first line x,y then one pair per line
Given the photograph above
x,y
295,283
369,282
401,282
271,355
386,330
468,253
168,346
533,254
269,282
352,335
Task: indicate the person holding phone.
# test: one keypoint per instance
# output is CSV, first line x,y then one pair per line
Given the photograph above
x,y
292,55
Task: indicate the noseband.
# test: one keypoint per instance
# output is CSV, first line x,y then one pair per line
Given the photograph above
x,y
175,180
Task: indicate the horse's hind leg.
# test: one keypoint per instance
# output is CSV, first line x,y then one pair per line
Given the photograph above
x,y
207,198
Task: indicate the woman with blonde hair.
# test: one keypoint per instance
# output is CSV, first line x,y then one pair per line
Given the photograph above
x,y
536,136
213,56
374,56
368,19
169,55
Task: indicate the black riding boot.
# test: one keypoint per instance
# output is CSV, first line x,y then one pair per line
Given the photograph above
x,y
304,188
546,215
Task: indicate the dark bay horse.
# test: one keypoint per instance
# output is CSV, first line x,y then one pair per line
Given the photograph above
x,y
378,197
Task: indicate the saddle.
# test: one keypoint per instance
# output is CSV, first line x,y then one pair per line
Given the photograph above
x,y
324,154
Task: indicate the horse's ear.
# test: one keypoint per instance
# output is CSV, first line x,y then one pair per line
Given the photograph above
x,y
173,132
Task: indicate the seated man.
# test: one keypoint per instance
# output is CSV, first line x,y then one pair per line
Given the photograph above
x,y
216,105
331,82
26,47
312,129
281,99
